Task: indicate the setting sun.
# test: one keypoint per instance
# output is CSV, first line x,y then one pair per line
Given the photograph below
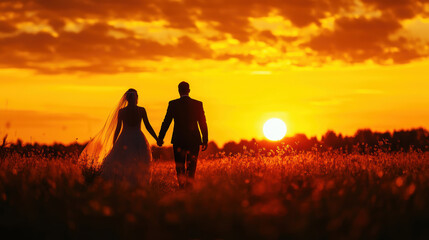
x,y
274,129
159,118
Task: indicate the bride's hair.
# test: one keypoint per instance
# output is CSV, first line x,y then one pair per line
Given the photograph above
x,y
98,147
131,96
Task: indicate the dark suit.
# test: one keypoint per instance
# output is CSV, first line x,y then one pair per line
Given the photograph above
x,y
188,114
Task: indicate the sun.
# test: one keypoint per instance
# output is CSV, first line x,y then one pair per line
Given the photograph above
x,y
274,129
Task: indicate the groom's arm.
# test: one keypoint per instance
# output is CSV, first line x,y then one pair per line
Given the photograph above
x,y
203,125
166,123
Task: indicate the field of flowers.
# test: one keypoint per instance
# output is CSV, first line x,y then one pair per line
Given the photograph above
x,y
304,195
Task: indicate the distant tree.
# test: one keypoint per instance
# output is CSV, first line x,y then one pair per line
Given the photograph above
x,y
231,148
212,149
414,138
363,140
3,147
365,136
301,142
331,140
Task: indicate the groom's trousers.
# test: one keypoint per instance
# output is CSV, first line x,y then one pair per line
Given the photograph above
x,y
186,164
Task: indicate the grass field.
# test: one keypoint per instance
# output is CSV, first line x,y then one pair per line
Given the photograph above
x,y
308,195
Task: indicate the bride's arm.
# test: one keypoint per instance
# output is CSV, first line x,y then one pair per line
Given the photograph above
x,y
118,128
147,125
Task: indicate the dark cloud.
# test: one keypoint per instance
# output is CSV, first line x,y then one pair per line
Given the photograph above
x,y
405,55
57,24
304,12
6,27
111,68
94,46
144,10
352,40
267,36
360,39
229,16
177,14
401,9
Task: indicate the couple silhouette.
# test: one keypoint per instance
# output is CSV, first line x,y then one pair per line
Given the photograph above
x,y
126,154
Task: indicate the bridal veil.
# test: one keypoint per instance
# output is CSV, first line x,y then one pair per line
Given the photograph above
x,y
99,147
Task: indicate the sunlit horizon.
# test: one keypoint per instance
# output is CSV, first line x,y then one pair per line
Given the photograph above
x,y
319,66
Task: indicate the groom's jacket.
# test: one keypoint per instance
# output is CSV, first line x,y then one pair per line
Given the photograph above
x,y
187,114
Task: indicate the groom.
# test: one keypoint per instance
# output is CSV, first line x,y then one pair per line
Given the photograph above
x,y
188,114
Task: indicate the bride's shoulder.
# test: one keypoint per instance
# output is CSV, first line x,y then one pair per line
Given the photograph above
x,y
142,109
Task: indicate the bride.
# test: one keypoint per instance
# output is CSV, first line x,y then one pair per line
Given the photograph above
x,y
124,154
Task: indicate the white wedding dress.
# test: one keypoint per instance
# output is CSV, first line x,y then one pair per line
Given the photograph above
x,y
129,158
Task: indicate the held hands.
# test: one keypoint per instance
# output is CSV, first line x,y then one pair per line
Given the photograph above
x,y
159,142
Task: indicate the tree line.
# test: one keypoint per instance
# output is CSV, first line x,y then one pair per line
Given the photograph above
x,y
363,141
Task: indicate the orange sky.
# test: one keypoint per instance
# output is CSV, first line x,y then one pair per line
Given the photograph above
x,y
318,65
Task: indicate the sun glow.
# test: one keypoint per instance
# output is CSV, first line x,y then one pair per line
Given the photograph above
x,y
274,129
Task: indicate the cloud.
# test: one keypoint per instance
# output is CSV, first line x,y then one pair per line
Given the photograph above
x,y
361,39
93,48
400,9
78,36
268,37
6,27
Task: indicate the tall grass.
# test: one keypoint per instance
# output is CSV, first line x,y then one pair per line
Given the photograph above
x,y
304,195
